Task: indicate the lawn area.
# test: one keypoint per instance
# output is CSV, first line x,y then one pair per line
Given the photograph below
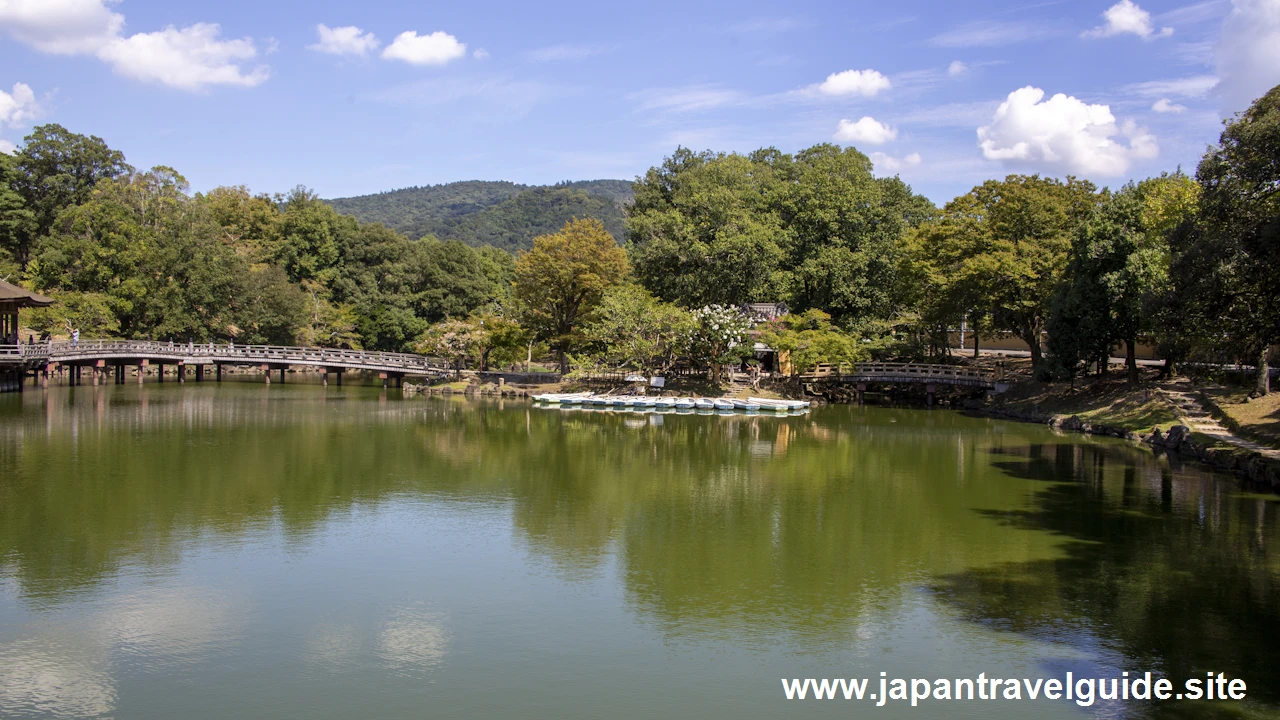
x,y
1257,419
1107,401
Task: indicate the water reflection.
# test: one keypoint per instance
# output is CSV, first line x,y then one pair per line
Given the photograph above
x,y
753,531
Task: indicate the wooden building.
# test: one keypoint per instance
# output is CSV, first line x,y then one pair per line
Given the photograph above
x,y
13,299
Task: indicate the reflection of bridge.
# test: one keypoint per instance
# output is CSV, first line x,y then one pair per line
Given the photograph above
x,y
111,357
931,376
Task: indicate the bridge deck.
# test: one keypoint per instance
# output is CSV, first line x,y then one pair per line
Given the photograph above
x,y
132,351
903,373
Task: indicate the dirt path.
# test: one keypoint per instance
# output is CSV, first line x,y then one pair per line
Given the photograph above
x,y
1199,420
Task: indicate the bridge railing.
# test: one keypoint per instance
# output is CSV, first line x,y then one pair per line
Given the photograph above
x,y
902,372
232,353
14,354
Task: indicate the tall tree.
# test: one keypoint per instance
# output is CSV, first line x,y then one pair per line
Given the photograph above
x,y
1229,263
561,281
58,169
1006,244
16,219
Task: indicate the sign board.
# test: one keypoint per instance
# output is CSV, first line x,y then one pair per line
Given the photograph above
x,y
657,382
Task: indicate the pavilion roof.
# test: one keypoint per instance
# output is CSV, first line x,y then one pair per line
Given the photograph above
x,y
12,294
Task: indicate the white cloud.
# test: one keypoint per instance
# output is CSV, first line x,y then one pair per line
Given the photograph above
x,y
347,40
1193,86
957,68
1126,17
1248,55
854,82
19,107
61,27
1062,134
867,130
887,163
192,58
567,52
1163,105
7,147
688,99
992,34
480,54
437,48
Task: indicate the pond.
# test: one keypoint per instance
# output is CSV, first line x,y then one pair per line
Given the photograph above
x,y
294,551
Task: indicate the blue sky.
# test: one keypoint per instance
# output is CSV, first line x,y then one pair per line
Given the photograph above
x,y
392,94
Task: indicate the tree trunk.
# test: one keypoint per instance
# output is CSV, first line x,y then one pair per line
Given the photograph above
x,y
1031,337
975,344
1131,360
564,361
1263,383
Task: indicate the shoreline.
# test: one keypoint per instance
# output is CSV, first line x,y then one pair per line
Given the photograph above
x,y
1250,465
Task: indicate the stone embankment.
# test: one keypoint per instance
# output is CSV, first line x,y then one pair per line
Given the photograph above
x,y
1257,465
483,390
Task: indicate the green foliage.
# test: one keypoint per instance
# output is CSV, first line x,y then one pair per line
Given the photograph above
x,y
91,313
454,340
817,230
636,330
1227,262
58,169
809,339
501,214
16,219
561,281
502,341
999,252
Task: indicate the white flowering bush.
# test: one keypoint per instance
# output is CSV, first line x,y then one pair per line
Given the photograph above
x,y
719,335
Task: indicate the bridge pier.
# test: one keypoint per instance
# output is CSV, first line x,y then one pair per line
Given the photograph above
x,y
217,371
199,372
862,393
182,372
142,369
160,371
266,372
930,389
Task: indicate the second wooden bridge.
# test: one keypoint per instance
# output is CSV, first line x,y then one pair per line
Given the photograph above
x,y
862,375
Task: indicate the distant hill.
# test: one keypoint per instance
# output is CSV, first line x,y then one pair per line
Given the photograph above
x,y
501,214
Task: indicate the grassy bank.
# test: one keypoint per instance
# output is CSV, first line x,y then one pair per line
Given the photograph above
x,y
1257,419
1108,401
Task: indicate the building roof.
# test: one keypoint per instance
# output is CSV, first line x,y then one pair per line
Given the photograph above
x,y
12,294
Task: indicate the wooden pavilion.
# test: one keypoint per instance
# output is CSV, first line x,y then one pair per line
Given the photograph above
x,y
13,299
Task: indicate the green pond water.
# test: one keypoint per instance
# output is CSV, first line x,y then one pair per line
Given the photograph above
x,y
235,550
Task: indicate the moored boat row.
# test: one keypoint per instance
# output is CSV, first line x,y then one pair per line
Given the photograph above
x,y
643,403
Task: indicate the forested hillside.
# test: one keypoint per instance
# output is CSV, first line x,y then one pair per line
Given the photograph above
x,y
501,214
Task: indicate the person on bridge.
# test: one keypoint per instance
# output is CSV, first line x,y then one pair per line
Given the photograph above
x,y
75,338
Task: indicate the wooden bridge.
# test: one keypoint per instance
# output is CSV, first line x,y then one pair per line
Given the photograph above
x,y
106,358
931,376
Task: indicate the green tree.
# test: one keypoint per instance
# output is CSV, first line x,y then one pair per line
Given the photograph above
x,y
809,338
1004,246
58,169
703,230
1228,263
561,281
16,219
453,340
639,331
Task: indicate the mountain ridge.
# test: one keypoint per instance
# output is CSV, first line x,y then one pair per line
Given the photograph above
x,y
492,212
